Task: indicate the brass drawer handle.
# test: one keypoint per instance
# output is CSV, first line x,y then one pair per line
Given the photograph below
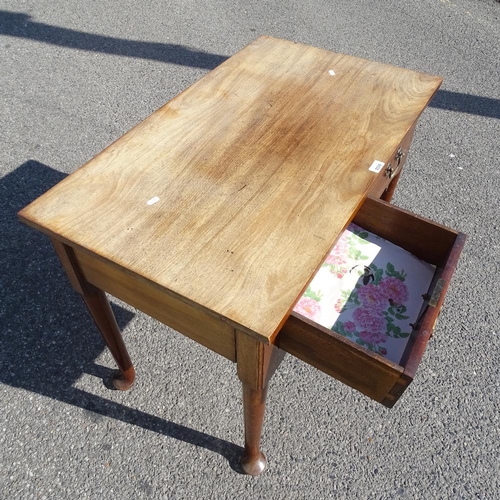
x,y
390,173
399,155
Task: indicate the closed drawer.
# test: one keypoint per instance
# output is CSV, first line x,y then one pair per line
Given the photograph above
x,y
349,359
392,168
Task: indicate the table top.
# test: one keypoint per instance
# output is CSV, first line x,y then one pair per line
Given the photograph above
x,y
231,195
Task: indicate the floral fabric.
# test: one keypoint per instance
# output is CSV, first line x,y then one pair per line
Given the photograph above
x,y
368,290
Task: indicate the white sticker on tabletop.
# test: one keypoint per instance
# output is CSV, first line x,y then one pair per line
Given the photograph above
x,y
376,166
154,200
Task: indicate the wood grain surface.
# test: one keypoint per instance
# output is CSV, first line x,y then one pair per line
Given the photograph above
x,y
256,168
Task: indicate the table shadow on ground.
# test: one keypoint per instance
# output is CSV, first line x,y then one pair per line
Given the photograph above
x,y
466,103
21,25
48,339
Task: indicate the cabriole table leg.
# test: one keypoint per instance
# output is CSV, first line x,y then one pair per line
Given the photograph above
x,y
256,364
253,460
100,310
98,306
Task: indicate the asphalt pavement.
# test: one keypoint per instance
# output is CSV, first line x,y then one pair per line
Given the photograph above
x,y
75,76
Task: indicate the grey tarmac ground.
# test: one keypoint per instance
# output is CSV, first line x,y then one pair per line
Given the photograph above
x,y
76,75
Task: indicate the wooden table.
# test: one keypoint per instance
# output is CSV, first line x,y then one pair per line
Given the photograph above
x,y
213,214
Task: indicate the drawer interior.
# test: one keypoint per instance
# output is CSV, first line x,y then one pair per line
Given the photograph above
x,y
369,311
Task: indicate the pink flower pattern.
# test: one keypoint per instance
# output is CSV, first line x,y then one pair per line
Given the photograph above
x,y
395,289
339,305
338,255
339,271
372,306
373,337
373,297
349,326
369,319
308,307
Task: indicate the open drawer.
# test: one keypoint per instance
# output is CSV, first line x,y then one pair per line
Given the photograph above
x,y
345,349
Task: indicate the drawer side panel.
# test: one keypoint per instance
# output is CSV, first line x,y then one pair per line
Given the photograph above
x,y
429,318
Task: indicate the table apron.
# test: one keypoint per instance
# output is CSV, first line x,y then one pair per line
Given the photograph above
x,y
192,322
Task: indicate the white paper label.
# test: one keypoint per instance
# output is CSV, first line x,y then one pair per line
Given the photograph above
x,y
154,200
376,166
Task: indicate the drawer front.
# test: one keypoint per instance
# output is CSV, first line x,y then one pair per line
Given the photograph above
x,y
388,177
339,357
368,372
193,322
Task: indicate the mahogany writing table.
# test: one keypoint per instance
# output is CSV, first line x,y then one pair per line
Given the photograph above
x,y
213,214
